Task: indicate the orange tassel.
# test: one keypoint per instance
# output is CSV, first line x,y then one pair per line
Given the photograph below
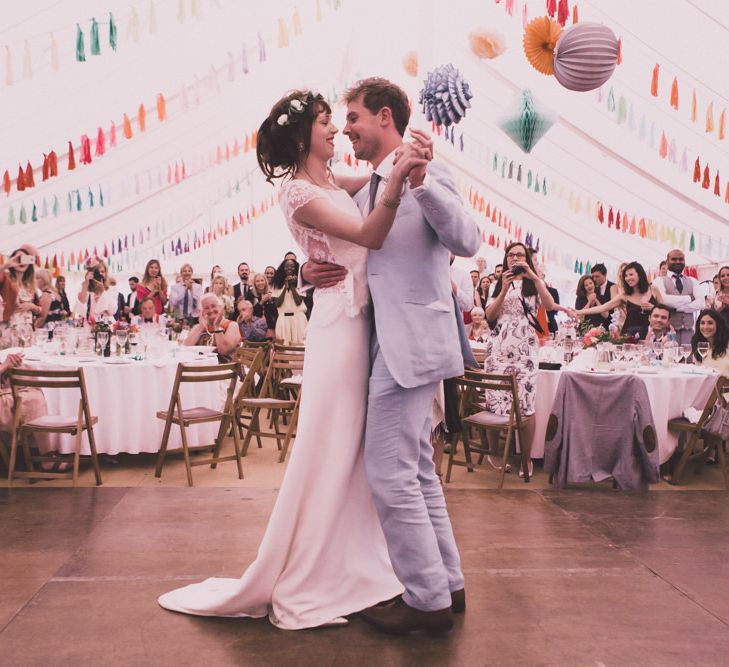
x,y
663,151
674,93
717,185
707,178
575,17
71,158
142,115
7,183
693,107
722,124
246,145
726,196
654,80
127,127
697,171
21,179
710,117
29,180
642,228
161,107
46,168
254,136
53,163
620,50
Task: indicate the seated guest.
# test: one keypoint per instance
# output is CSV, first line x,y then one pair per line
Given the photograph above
x,y
478,330
587,298
185,296
148,314
33,403
61,289
659,324
710,328
251,327
213,329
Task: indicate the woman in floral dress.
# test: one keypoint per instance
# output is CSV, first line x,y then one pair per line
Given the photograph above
x,y
512,348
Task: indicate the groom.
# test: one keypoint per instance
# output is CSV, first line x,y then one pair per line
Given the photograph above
x,y
415,346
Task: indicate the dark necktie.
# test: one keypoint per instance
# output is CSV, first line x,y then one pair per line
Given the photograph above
x,y
374,182
679,283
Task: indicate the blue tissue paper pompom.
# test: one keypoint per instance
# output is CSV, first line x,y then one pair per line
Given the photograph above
x,y
445,96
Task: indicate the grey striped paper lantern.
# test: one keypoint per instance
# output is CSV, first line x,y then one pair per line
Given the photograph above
x,y
585,56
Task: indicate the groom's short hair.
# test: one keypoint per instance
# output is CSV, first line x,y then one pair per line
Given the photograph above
x,y
377,93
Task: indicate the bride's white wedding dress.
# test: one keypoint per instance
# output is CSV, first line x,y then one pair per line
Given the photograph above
x,y
323,555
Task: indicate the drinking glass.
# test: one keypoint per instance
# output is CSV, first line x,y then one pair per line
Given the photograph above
x,y
121,336
703,350
685,352
133,342
102,338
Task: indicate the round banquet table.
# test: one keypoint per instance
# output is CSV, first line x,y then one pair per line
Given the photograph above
x,y
670,391
125,397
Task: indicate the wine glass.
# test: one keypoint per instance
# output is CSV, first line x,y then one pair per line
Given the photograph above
x,y
102,338
685,352
121,336
133,342
703,349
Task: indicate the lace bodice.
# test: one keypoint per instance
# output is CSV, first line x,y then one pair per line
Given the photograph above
x,y
352,293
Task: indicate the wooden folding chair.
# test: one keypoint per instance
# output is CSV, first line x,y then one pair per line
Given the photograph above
x,y
280,395
185,417
696,434
60,424
251,364
472,387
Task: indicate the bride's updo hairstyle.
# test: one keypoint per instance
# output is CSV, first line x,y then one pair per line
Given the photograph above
x,y
284,138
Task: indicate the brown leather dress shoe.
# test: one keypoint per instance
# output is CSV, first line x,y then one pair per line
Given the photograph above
x,y
458,601
399,618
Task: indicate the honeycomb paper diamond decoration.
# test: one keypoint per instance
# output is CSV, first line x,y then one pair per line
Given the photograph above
x,y
445,96
526,125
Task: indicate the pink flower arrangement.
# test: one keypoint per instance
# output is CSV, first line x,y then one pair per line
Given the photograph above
x,y
599,335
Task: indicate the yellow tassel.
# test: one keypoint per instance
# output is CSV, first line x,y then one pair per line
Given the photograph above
x,y
693,107
283,34
722,124
296,23
710,117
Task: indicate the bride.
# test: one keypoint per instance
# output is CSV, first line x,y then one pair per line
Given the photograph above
x,y
323,555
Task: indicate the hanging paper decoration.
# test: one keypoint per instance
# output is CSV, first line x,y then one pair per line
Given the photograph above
x,y
663,150
27,62
410,63
85,150
127,127
526,126
22,216
706,182
563,12
551,8
161,107
261,48
55,63
486,43
80,49
133,29
445,96
21,179
585,56
540,39
112,32
674,93
654,80
94,38
100,143
8,67
693,106
710,118
7,184
717,185
283,34
142,118
722,125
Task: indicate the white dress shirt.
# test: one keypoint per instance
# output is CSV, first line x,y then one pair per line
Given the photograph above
x,y
464,288
680,302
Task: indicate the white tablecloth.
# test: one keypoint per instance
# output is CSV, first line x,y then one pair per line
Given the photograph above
x,y
669,391
126,398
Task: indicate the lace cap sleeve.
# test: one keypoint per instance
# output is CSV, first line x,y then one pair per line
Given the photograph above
x,y
297,193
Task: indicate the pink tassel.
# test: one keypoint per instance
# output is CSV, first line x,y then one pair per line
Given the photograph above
x,y
551,8
112,135
100,141
85,150
563,12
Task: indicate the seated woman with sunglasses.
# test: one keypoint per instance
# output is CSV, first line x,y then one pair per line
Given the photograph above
x,y
512,348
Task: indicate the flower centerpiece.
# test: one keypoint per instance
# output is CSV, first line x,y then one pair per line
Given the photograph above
x,y
595,335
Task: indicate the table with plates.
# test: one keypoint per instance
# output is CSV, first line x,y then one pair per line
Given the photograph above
x,y
670,391
125,394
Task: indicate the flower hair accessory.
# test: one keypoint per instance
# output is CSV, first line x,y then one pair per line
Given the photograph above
x,y
296,109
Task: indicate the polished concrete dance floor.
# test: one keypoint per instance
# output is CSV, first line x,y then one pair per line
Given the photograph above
x,y
579,577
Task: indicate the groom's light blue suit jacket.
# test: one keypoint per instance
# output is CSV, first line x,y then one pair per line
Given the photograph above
x,y
409,279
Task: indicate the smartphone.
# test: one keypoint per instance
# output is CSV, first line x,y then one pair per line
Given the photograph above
x,y
26,260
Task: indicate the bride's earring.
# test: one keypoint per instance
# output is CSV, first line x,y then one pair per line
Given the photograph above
x,y
301,147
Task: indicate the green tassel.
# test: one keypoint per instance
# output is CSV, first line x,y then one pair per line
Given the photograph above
x,y
611,100
588,268
536,184
692,243
544,186
101,197
91,199
34,214
496,161
577,267
69,203
581,267
530,178
80,48
503,168
56,206
622,110
23,217
11,216
112,32
78,200
95,48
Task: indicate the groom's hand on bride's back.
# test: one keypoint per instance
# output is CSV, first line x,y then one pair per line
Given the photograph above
x,y
322,274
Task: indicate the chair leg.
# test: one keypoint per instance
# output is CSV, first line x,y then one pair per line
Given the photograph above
x,y
451,454
236,445
94,455
13,456
683,461
289,434
77,455
219,441
27,455
253,426
163,446
505,457
186,451
467,454
525,450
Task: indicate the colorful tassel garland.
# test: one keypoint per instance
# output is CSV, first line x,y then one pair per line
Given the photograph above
x,y
674,93
85,150
142,117
29,180
551,8
45,171
710,118
127,127
27,62
654,80
80,48
575,16
663,150
112,135
94,38
707,178
563,12
722,125
112,32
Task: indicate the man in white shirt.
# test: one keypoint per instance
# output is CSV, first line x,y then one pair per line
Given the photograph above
x,y
498,270
185,295
463,289
684,295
